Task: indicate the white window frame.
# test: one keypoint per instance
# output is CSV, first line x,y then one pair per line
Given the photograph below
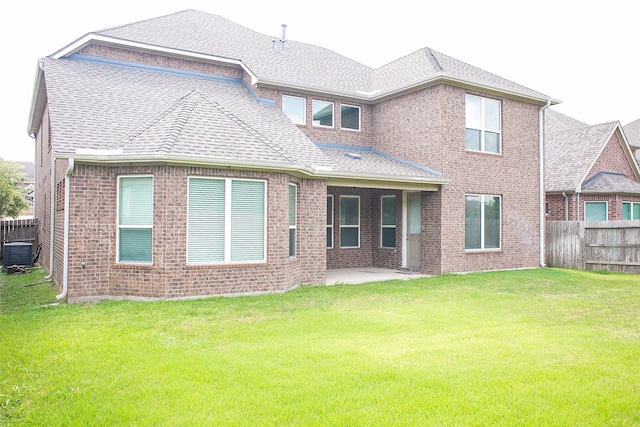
x,y
382,226
606,209
482,128
119,227
350,225
304,108
293,226
330,226
359,118
227,222
333,113
632,205
482,223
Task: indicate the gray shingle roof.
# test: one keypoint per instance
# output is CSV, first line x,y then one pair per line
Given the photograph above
x,y
632,132
570,153
303,64
610,182
96,105
354,161
156,114
555,121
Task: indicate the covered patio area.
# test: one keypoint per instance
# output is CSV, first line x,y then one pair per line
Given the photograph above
x,y
354,275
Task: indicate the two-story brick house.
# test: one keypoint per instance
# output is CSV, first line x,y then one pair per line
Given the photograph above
x,y
591,172
187,155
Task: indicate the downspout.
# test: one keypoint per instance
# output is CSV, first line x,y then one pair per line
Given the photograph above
x,y
566,206
541,178
67,193
52,216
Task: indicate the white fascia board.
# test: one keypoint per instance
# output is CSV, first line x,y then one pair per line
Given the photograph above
x,y
379,95
115,157
112,41
38,101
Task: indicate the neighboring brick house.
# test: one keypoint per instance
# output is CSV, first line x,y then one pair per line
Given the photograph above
x,y
187,155
590,171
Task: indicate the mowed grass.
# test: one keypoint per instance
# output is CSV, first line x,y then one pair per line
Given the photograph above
x,y
519,348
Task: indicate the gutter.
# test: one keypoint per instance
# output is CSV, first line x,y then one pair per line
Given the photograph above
x,y
52,215
541,178
67,193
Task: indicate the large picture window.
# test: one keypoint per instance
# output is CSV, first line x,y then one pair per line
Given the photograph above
x,y
226,220
329,222
295,108
630,210
135,219
293,224
483,124
349,117
595,211
349,221
322,113
388,221
482,221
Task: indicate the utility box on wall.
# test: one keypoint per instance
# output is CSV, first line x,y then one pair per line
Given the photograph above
x,y
18,253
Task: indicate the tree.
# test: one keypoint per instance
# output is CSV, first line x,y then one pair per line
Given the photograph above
x,y
12,200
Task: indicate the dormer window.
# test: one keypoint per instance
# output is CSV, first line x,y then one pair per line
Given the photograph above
x,y
483,124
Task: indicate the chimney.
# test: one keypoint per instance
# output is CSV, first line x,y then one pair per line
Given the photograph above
x,y
283,39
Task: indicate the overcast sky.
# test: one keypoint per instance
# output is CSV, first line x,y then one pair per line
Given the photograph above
x,y
584,53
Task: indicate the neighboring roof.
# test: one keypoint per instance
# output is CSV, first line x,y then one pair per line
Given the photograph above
x,y
569,154
610,183
302,65
632,132
555,121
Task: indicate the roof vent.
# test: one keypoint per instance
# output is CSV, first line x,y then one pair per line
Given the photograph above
x,y
283,39
353,156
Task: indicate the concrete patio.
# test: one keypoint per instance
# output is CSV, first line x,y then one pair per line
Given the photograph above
x,y
367,274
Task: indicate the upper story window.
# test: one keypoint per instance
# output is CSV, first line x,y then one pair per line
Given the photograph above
x,y
295,108
322,112
349,117
483,124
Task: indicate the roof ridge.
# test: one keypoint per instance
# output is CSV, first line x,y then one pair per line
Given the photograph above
x,y
142,20
271,144
433,57
183,116
151,122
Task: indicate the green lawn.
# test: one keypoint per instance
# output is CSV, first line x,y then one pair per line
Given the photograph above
x,y
533,347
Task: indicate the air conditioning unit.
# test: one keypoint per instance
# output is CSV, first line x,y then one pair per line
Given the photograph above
x,y
17,253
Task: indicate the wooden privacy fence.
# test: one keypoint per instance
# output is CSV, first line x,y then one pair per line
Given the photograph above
x,y
19,230
594,245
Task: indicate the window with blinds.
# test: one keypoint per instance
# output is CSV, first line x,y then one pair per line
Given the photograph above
x,y
135,219
226,220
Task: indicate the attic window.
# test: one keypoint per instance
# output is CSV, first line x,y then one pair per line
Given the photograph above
x,y
353,156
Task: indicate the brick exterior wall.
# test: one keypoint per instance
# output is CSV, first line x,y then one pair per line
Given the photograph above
x,y
613,159
93,271
428,127
162,61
